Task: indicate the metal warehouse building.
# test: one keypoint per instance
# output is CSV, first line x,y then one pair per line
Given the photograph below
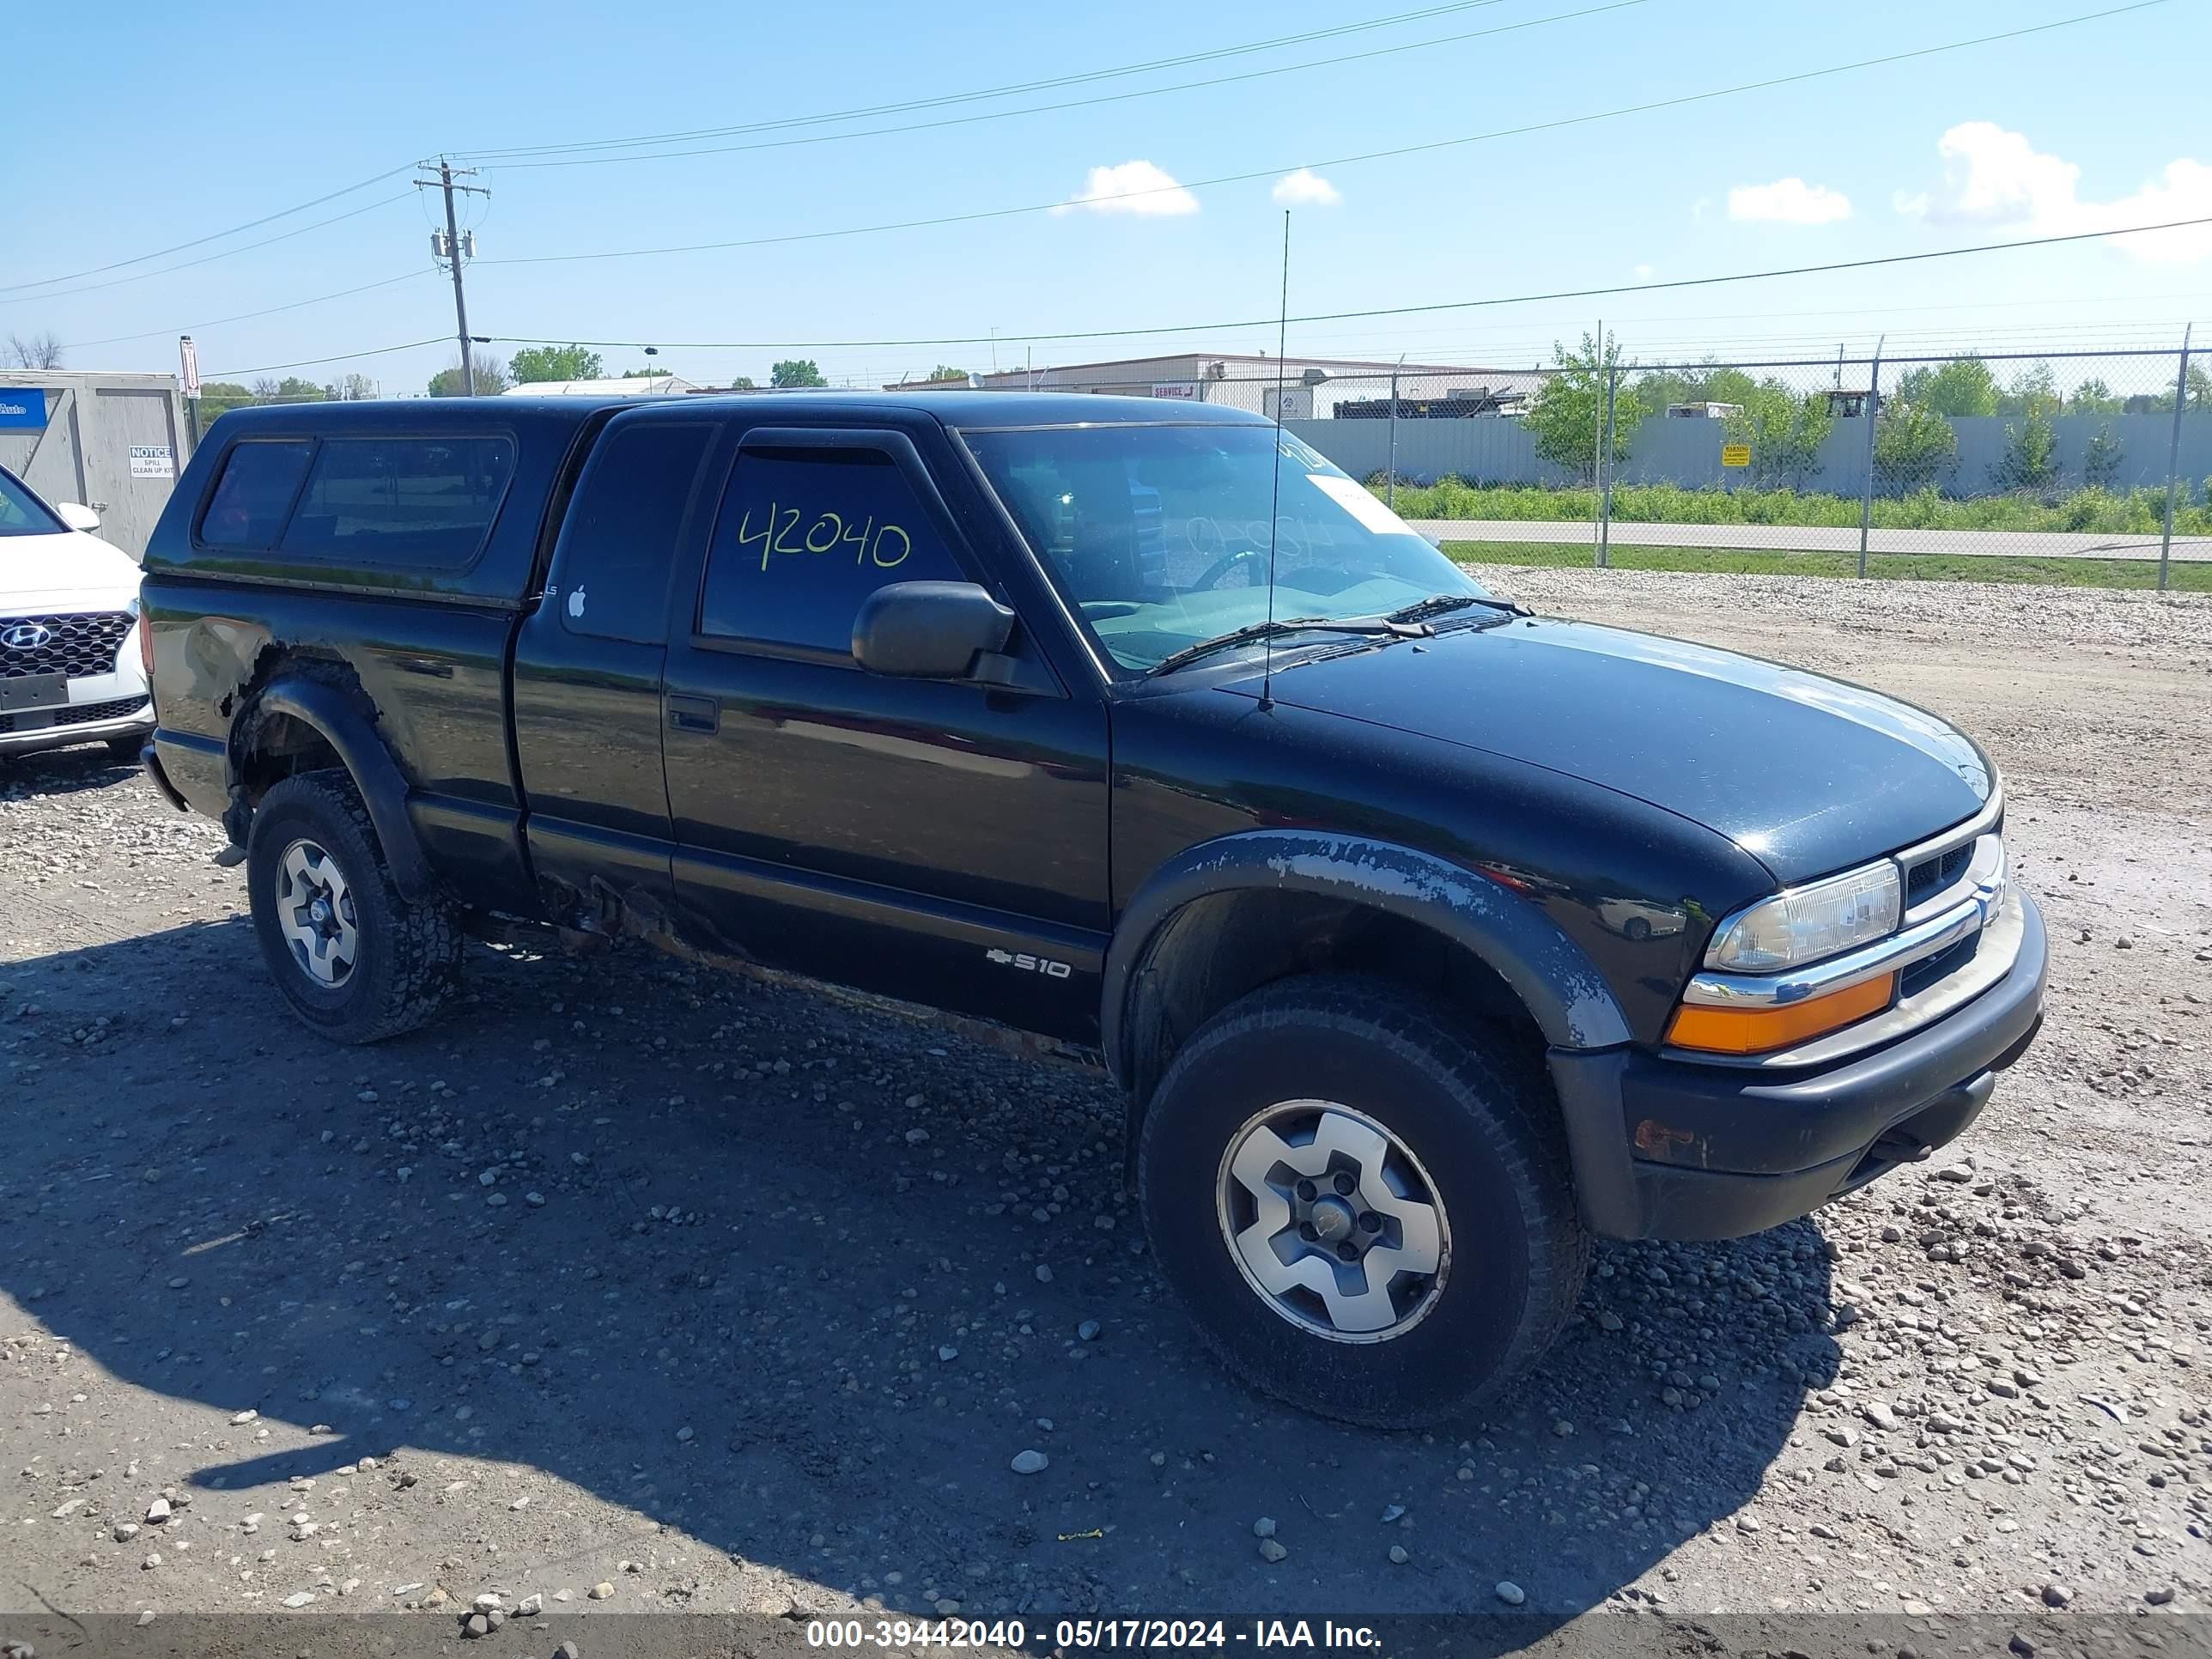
x,y
1313,388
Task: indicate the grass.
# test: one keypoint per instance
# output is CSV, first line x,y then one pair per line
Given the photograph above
x,y
2183,578
2089,510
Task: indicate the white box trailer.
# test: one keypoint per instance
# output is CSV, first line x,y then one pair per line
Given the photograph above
x,y
115,442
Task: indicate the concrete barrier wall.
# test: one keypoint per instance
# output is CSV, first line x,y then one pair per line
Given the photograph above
x,y
1688,452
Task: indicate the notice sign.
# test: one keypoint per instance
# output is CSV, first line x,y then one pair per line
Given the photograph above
x,y
1735,454
153,461
23,407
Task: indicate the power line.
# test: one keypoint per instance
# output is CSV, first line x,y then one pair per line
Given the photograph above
x,y
1075,103
1009,91
245,316
201,241
207,258
1345,161
1006,335
311,362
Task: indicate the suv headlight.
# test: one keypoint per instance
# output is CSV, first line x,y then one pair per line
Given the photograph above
x,y
1808,923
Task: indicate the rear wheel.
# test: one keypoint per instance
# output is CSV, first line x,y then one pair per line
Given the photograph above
x,y
1369,1216
357,960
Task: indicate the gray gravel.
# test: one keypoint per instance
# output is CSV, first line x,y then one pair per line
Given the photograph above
x,y
787,1291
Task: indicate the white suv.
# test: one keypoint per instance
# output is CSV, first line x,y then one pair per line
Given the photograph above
x,y
69,668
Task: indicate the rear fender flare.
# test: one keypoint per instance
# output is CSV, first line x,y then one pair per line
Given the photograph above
x,y
337,714
1554,976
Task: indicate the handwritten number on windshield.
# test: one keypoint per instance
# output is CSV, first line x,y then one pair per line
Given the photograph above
x,y
871,544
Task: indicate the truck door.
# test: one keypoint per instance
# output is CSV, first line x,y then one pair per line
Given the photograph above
x,y
939,841
587,672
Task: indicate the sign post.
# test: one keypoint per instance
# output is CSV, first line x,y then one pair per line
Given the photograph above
x,y
188,366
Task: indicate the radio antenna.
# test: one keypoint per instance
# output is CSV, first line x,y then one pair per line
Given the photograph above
x,y
1275,496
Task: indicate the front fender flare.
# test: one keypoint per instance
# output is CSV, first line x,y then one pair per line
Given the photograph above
x,y
1552,975
338,715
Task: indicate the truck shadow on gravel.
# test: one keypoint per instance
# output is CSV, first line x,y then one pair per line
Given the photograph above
x,y
757,1293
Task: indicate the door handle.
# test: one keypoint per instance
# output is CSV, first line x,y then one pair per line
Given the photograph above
x,y
693,713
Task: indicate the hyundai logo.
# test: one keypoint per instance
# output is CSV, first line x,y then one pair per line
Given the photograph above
x,y
26,636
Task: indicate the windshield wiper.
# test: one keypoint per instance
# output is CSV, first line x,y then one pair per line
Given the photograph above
x,y
1388,627
1437,603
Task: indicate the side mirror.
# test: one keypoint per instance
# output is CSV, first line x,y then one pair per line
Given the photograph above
x,y
76,515
929,630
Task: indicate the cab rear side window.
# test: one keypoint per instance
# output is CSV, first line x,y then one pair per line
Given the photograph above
x,y
622,534
400,500
257,483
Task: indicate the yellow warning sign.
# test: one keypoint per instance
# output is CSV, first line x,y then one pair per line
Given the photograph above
x,y
1735,454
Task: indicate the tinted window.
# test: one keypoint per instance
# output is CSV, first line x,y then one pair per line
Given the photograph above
x,y
621,533
399,500
257,483
806,534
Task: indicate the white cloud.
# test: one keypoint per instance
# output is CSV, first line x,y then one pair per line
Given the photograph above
x,y
1993,176
1644,273
1132,187
1788,201
1306,188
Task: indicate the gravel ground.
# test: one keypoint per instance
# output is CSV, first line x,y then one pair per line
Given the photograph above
x,y
637,1287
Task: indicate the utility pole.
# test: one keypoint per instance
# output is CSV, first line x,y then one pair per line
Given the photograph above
x,y
444,181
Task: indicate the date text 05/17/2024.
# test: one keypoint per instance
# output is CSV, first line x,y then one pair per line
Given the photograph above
x,y
1072,1634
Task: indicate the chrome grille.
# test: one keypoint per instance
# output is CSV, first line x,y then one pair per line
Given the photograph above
x,y
77,643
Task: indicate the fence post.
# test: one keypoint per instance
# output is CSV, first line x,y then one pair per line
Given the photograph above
x,y
2173,457
1605,474
1866,490
1390,479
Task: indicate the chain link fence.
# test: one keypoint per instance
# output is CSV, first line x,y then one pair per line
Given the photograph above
x,y
2063,465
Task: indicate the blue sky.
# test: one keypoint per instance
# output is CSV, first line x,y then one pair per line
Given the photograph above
x,y
197,126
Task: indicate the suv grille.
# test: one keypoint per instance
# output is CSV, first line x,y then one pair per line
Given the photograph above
x,y
77,714
81,643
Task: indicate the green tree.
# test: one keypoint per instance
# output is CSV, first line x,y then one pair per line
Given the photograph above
x,y
2093,397
491,378
289,390
743,383
1785,432
647,373
1913,447
1962,386
795,372
1568,411
567,362
2030,463
220,397
2100,460
946,372
1729,385
2035,391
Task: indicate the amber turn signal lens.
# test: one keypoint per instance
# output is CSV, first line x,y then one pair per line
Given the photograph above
x,y
1760,1031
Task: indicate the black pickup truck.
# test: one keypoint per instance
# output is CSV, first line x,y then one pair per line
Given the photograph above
x,y
1429,938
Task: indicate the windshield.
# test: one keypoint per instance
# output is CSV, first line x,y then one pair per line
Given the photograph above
x,y
22,514
1159,535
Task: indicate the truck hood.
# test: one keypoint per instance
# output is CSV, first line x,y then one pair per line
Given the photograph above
x,y
1808,774
66,571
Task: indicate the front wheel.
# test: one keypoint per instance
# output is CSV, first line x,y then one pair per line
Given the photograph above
x,y
358,960
1369,1216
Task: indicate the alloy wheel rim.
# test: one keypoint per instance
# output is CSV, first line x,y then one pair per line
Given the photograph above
x,y
316,913
1333,1222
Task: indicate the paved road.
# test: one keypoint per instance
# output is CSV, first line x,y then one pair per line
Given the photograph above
x,y
2010,544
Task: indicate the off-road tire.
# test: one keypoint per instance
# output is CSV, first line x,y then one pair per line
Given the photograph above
x,y
409,951
1482,1121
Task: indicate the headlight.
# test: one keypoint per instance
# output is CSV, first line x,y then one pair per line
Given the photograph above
x,y
1810,923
